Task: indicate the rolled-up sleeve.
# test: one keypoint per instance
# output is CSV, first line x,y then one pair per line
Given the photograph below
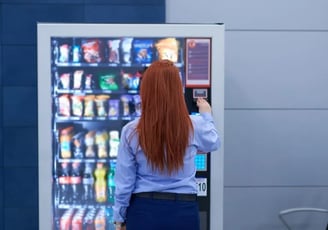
x,y
125,177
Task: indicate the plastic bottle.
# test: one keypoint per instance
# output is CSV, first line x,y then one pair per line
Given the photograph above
x,y
88,183
88,220
64,183
100,183
55,51
111,184
76,182
100,220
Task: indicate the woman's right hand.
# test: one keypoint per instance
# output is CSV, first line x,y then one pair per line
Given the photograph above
x,y
203,106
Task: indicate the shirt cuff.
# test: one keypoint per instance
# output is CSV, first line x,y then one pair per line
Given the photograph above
x,y
120,215
207,116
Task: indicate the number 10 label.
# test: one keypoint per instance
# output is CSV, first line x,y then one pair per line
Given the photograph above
x,y
201,186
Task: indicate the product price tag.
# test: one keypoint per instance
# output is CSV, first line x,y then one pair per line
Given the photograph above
x,y
201,186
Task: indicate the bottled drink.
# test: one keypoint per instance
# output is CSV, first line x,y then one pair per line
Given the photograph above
x,y
64,183
88,221
100,183
76,53
100,220
88,182
56,185
76,182
111,184
78,219
66,219
55,51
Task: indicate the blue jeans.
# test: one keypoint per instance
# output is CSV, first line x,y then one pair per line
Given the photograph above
x,y
157,214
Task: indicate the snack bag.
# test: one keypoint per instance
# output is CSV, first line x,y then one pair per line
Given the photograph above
x,y
130,81
64,53
78,142
137,105
64,81
89,140
92,51
101,142
114,141
77,105
89,106
107,82
143,51
101,103
126,47
113,107
126,99
77,79
89,81
168,48
64,105
113,51
65,139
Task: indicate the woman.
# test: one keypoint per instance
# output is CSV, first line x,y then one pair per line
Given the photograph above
x,y
155,172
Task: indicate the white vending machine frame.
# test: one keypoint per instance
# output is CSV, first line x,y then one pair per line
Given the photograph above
x,y
47,30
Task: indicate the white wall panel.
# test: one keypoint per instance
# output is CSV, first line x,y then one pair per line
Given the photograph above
x,y
252,14
276,70
258,208
276,148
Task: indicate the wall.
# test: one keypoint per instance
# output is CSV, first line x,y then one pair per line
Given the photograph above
x,y
276,107
18,89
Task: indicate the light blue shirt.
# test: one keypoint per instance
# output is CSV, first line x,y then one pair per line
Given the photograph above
x,y
134,174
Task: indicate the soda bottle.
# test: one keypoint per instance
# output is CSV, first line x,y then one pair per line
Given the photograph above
x,y
76,182
66,219
100,220
100,183
88,182
56,185
77,220
111,183
88,221
64,183
55,51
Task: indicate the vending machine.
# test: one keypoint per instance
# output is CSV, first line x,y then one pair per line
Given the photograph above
x,y
88,88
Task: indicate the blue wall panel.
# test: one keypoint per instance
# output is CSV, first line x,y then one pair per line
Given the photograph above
x,y
24,154
124,14
21,218
160,3
20,106
1,66
23,29
19,66
35,2
1,151
18,89
20,187
1,193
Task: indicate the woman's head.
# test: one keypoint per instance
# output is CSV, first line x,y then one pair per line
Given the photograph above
x,y
165,125
161,83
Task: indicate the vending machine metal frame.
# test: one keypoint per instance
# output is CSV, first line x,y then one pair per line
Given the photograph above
x,y
47,30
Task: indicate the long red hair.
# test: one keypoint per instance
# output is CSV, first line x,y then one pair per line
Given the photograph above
x,y
165,126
